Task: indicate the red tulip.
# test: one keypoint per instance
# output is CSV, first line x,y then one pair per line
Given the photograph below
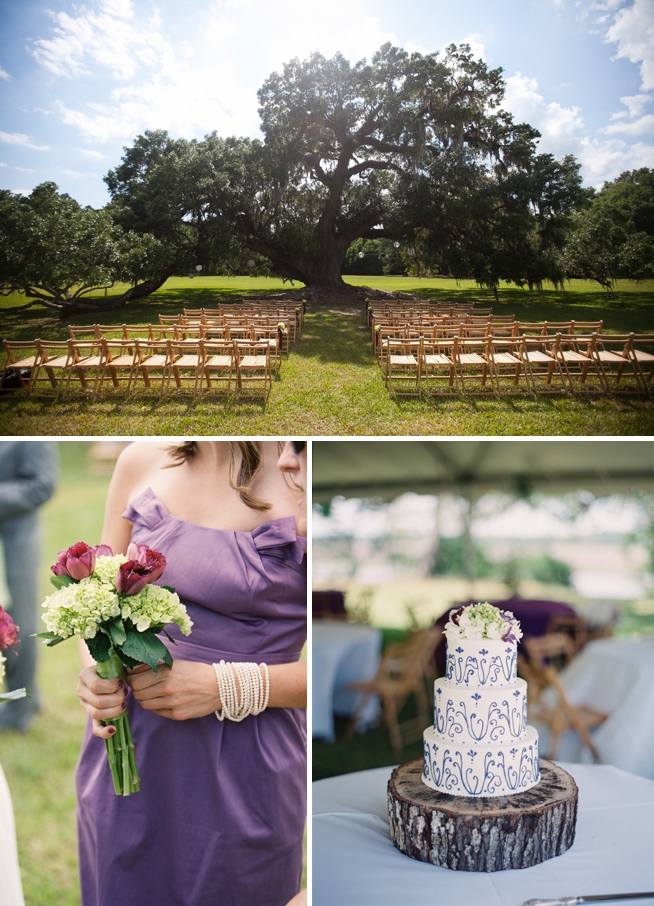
x,y
103,550
147,557
132,578
78,562
8,630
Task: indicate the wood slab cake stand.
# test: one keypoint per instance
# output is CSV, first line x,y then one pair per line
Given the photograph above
x,y
485,833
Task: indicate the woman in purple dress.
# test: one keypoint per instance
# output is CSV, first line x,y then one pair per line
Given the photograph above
x,y
220,814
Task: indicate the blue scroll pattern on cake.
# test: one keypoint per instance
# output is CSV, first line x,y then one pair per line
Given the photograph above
x,y
484,669
510,771
504,719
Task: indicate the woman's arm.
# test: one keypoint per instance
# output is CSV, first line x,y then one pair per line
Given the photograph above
x,y
189,689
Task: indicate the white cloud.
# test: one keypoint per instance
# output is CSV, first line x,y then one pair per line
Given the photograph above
x,y
603,160
24,169
2,164
206,81
18,138
75,174
557,124
96,155
632,30
642,126
4,74
635,104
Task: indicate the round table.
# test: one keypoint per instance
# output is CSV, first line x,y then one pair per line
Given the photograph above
x,y
342,653
355,863
616,677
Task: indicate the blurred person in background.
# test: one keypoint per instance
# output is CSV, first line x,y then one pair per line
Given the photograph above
x,y
28,477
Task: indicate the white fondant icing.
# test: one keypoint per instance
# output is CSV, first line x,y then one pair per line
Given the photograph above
x,y
477,714
484,663
481,744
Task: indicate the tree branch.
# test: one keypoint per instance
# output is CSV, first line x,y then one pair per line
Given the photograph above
x,y
373,165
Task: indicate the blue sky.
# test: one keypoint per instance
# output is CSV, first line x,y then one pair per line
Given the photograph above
x,y
78,81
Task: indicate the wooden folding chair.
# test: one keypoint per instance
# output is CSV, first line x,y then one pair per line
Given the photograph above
x,y
253,368
218,363
152,356
120,363
53,361
402,672
616,355
507,357
184,365
541,361
539,671
22,355
645,357
578,357
473,364
438,365
403,361
85,356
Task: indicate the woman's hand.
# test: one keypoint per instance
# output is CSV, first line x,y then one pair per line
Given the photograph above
x,y
187,689
101,699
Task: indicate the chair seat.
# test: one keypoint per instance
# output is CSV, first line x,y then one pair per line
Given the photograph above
x,y
59,362
605,355
537,356
569,355
154,361
403,360
437,359
218,361
643,356
23,363
472,358
186,361
504,358
253,361
120,361
91,361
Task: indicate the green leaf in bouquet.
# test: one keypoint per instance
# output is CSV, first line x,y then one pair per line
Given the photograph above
x,y
128,661
169,637
50,637
146,647
61,581
100,647
117,632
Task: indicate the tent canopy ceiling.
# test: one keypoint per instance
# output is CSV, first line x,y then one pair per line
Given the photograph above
x,y
386,469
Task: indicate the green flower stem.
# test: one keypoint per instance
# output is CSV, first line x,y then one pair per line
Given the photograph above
x,y
120,747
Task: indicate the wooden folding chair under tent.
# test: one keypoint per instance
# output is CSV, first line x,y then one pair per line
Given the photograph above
x,y
402,672
547,701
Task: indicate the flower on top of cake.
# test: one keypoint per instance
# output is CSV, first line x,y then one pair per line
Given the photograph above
x,y
475,622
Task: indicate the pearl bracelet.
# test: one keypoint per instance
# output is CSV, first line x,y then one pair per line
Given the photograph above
x,y
247,678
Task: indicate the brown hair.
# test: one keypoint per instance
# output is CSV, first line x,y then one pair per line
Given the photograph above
x,y
250,463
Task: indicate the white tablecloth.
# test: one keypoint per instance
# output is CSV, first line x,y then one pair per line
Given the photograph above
x,y
355,863
616,676
11,891
342,653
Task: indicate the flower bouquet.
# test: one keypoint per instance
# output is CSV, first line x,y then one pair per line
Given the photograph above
x,y
109,600
8,638
482,621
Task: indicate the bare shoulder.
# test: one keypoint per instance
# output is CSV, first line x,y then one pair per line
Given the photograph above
x,y
136,466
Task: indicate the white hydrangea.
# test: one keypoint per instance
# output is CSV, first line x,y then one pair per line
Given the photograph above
x,y
106,568
482,621
155,605
77,609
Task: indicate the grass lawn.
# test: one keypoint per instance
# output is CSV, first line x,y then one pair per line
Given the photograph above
x,y
330,383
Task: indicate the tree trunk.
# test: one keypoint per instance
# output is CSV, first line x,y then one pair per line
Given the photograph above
x,y
140,291
482,833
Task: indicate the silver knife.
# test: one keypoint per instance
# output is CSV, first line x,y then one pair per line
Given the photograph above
x,y
604,897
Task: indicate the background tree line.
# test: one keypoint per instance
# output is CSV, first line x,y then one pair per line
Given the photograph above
x,y
407,164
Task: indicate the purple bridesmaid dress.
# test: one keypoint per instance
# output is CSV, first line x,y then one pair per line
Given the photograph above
x,y
220,815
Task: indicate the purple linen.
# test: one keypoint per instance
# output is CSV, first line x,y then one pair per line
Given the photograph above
x,y
220,815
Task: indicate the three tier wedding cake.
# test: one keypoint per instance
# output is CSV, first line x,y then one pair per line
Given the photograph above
x,y
481,744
